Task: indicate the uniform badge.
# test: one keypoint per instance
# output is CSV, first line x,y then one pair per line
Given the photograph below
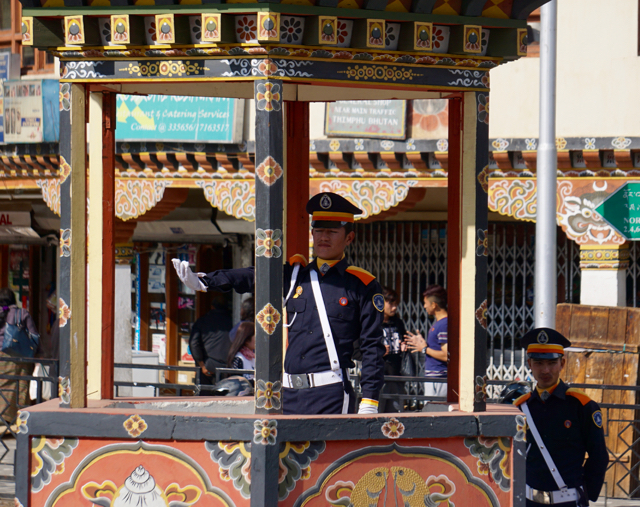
x,y
543,337
325,202
343,301
298,292
567,424
378,302
597,418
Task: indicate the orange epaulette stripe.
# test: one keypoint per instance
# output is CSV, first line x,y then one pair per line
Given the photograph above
x,y
519,401
298,258
580,395
365,276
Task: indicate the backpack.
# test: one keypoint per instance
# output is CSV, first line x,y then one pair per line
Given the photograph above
x,y
18,341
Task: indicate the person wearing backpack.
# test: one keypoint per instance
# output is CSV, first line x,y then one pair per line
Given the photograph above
x,y
14,394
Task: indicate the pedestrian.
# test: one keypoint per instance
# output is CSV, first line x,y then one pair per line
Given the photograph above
x,y
435,347
564,426
14,393
394,331
209,343
330,304
247,314
242,353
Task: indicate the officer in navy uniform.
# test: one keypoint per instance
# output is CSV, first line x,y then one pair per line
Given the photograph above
x,y
317,358
569,425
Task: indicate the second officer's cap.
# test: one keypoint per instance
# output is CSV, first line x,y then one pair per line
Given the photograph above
x,y
329,210
544,343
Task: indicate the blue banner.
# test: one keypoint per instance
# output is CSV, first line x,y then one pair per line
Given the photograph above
x,y
170,118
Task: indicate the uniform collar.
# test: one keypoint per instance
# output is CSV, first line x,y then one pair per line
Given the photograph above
x,y
559,391
340,265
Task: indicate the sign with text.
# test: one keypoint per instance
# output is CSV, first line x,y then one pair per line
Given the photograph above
x,y
9,65
174,119
366,118
622,210
31,111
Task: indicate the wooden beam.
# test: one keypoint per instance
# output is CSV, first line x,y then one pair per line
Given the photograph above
x,y
453,247
297,179
171,329
108,241
78,267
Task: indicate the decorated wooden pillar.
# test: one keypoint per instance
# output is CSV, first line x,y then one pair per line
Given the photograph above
x,y
297,178
269,188
73,249
472,222
604,267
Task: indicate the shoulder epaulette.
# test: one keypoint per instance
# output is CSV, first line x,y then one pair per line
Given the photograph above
x,y
364,275
580,395
298,258
519,401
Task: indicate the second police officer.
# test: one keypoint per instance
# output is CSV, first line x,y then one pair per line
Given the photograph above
x,y
330,306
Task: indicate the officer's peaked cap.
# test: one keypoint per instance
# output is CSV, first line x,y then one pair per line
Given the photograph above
x,y
544,343
331,210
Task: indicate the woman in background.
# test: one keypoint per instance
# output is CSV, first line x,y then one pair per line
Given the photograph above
x,y
242,355
13,393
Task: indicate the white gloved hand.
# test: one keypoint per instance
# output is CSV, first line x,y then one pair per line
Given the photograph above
x,y
368,406
188,277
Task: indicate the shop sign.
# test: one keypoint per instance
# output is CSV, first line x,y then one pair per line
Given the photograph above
x,y
622,210
15,219
9,65
31,111
174,119
384,119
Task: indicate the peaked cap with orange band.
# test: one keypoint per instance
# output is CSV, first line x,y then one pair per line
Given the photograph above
x,y
544,343
329,210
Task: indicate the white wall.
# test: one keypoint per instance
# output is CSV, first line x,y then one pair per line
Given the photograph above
x,y
598,76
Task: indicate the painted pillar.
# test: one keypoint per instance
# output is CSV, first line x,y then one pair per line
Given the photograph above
x,y
122,330
472,227
73,251
268,292
604,274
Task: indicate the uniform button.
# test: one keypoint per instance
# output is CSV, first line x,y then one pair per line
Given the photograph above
x,y
339,315
310,332
301,357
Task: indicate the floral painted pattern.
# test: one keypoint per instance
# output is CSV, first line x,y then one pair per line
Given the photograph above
x,y
494,458
64,313
481,389
483,108
246,28
135,426
483,178
268,394
267,67
392,428
65,96
268,318
268,243
21,422
561,143
291,30
265,432
483,243
481,314
269,171
437,37
65,242
64,389
521,429
589,143
334,145
621,143
47,459
342,31
268,97
442,145
532,144
152,30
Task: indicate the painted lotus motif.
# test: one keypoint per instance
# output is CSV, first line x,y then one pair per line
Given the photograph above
x,y
268,243
393,428
135,426
268,318
268,97
483,108
268,394
265,432
64,313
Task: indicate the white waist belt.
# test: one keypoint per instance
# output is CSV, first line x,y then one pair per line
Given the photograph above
x,y
308,380
552,497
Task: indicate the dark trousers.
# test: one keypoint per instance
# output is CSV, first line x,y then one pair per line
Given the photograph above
x,y
318,400
392,365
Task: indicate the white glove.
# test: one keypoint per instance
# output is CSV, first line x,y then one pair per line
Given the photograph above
x,y
368,406
188,277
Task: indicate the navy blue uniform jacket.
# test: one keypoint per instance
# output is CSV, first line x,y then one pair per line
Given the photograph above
x,y
356,320
570,424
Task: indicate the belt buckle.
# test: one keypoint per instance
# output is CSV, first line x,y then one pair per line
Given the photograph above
x,y
543,497
299,380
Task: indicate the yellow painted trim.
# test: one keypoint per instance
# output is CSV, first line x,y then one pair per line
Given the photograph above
x,y
94,268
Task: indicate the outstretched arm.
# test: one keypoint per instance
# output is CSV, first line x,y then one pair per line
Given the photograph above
x,y
223,280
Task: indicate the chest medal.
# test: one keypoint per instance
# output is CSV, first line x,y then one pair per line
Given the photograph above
x,y
343,301
567,424
298,292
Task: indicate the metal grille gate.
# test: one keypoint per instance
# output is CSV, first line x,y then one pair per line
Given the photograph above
x,y
409,256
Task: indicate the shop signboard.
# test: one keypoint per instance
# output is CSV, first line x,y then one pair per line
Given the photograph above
x,y
31,111
385,119
622,210
179,119
9,65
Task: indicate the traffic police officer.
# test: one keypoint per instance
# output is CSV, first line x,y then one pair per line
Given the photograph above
x,y
330,305
563,425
